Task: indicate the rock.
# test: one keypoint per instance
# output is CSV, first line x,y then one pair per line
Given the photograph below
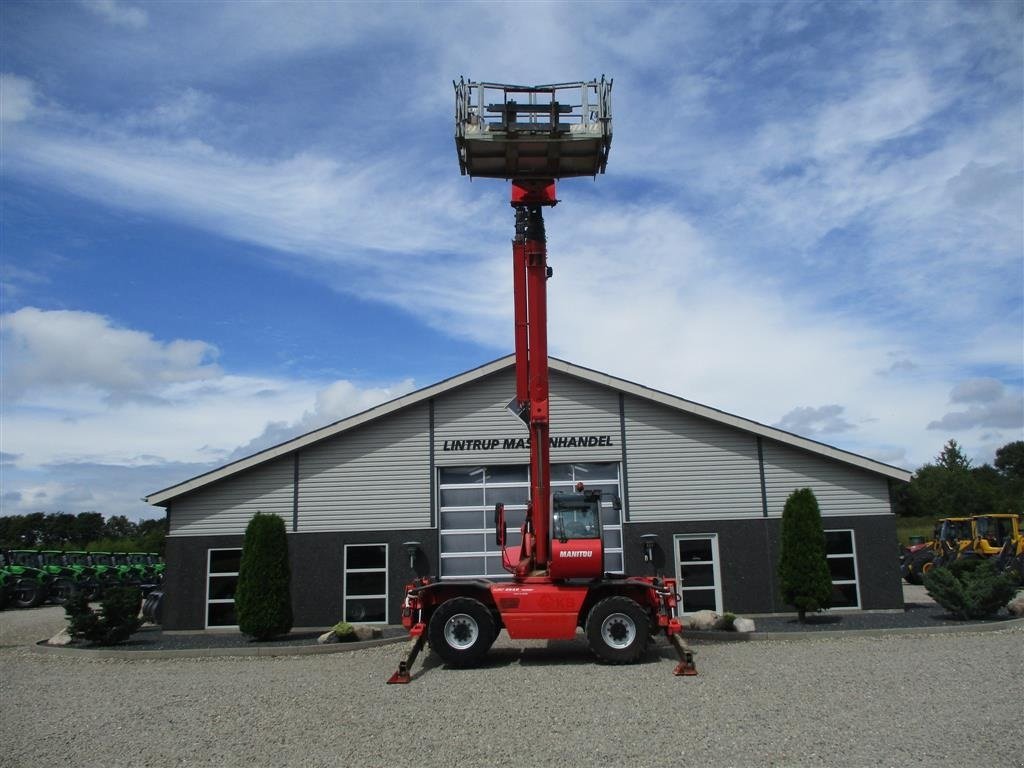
x,y
1016,606
61,638
368,633
327,637
743,625
703,619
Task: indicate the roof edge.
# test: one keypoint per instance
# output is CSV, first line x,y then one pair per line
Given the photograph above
x,y
158,498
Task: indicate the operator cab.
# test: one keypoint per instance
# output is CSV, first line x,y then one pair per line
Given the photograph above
x,y
576,547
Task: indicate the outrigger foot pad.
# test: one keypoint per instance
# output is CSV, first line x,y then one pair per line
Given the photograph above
x,y
402,676
685,667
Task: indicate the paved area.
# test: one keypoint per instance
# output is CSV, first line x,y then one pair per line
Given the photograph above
x,y
848,701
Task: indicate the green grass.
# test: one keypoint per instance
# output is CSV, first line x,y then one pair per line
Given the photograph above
x,y
913,526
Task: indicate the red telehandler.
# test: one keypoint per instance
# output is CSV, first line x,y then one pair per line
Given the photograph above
x,y
533,135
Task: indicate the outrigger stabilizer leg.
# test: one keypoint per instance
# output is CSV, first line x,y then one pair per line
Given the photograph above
x,y
685,665
419,638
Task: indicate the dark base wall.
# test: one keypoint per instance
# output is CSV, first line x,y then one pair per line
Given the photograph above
x,y
317,563
749,553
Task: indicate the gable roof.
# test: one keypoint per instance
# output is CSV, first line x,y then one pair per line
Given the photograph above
x,y
162,497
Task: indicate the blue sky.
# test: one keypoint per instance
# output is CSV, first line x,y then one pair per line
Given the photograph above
x,y
227,224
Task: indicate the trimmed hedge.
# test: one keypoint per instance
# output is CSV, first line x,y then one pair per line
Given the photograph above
x,y
263,601
971,588
804,578
116,620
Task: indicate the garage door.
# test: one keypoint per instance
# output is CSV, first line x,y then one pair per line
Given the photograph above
x,y
467,497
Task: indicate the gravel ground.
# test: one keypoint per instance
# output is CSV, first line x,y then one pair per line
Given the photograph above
x,y
842,701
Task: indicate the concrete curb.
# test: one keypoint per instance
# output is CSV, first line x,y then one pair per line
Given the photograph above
x,y
696,636
724,636
200,653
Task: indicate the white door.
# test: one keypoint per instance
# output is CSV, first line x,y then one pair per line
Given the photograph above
x,y
698,572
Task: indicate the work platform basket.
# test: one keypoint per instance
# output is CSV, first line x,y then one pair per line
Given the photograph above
x,y
523,132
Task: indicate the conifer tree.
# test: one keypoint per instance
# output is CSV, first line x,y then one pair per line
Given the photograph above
x,y
803,569
263,601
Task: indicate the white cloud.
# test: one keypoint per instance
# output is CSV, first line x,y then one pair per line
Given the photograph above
x,y
337,401
823,420
60,350
118,13
17,98
991,404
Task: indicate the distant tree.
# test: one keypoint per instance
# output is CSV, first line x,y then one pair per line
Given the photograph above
x,y
952,457
1010,460
803,568
263,600
119,527
59,528
88,527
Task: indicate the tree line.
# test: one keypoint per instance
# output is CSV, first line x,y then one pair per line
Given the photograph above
x,y
952,487
86,530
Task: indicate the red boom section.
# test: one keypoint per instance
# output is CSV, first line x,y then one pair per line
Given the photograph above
x,y
529,281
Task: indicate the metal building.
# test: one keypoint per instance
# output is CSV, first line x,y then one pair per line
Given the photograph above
x,y
409,487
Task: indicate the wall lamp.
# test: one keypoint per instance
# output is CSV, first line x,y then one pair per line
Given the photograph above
x,y
649,541
411,548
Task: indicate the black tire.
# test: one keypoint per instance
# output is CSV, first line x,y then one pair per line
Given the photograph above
x,y
61,590
28,593
616,630
461,631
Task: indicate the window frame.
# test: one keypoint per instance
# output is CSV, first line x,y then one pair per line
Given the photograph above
x,y
219,574
344,582
852,554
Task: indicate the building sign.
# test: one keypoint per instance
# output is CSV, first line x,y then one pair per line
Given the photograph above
x,y
523,443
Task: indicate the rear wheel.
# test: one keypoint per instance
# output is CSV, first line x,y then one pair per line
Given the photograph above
x,y
461,631
61,590
617,630
28,593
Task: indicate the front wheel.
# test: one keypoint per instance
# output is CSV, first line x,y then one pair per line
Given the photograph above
x,y
461,631
617,630
28,593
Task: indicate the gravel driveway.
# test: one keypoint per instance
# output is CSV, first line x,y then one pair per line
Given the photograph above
x,y
848,701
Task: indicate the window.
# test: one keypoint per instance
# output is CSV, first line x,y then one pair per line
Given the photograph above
x,y
222,567
842,565
366,583
467,497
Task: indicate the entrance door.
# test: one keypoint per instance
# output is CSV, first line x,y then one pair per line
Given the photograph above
x,y
698,572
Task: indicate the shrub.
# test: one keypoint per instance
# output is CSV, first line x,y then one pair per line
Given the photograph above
x,y
728,621
970,588
116,620
804,577
263,601
346,632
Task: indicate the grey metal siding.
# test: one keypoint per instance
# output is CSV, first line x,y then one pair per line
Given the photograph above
x,y
684,467
374,477
477,412
840,488
226,507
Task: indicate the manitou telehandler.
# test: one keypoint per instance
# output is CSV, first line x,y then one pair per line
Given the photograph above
x,y
532,136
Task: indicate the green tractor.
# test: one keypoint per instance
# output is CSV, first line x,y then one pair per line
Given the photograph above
x,y
157,566
147,568
64,581
29,585
80,565
108,572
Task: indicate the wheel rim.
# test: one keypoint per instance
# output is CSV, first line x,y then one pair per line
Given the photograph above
x,y
618,630
461,631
